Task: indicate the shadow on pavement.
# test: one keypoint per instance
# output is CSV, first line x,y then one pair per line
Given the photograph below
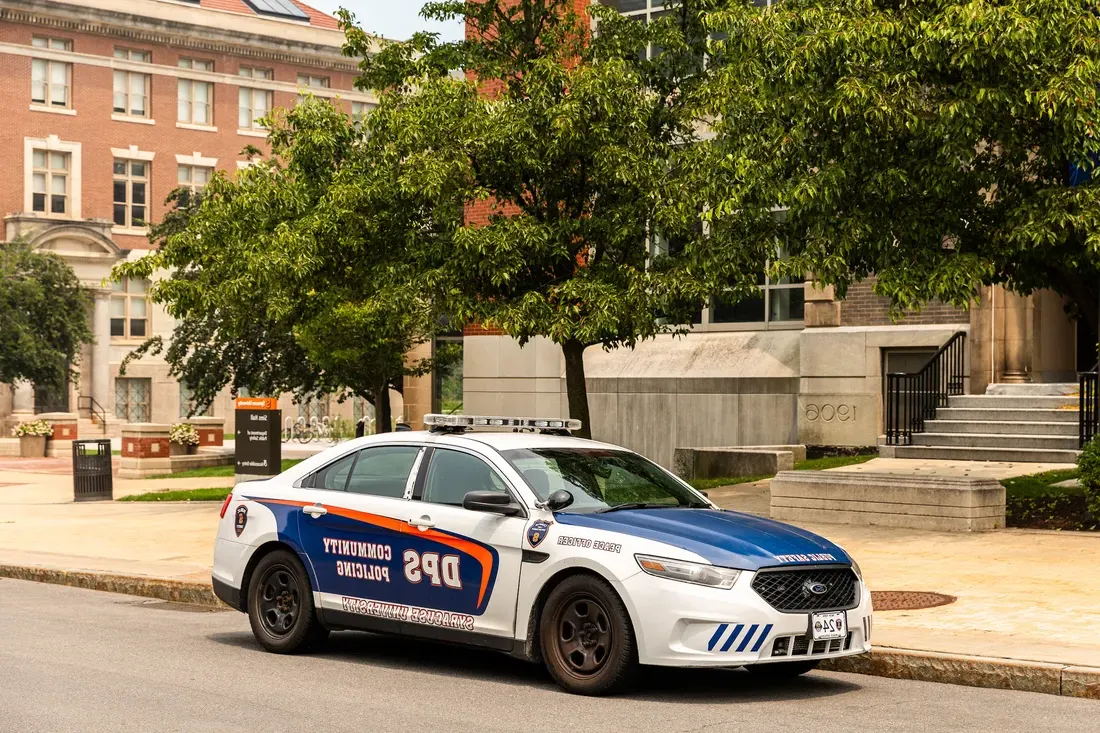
x,y
655,684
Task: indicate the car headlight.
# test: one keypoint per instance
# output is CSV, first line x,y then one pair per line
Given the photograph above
x,y
688,572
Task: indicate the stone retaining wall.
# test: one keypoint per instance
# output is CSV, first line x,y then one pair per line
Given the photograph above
x,y
889,500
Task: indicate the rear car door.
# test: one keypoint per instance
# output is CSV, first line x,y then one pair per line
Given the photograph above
x,y
355,513
465,563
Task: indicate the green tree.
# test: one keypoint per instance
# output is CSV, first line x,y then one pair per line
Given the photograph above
x,y
935,144
569,152
43,317
291,278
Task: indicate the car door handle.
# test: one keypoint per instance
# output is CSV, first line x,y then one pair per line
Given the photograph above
x,y
315,511
425,522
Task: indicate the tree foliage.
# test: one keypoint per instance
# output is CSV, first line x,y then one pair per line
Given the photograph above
x,y
291,278
934,143
43,317
568,152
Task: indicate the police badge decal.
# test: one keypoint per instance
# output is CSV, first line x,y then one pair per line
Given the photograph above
x,y
537,532
241,519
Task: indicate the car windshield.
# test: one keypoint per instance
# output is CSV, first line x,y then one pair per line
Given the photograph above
x,y
599,479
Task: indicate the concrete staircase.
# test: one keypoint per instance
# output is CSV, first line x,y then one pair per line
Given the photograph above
x,y
1033,423
91,429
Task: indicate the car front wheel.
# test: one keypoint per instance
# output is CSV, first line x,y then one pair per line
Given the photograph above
x,y
280,605
586,638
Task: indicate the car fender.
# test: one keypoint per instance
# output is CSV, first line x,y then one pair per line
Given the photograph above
x,y
265,521
614,565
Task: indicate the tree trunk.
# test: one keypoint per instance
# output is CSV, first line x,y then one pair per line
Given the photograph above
x,y
383,418
575,386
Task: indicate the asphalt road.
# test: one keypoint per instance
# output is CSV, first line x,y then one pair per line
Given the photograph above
x,y
83,661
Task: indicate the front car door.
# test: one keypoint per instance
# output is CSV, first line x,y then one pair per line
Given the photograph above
x,y
464,564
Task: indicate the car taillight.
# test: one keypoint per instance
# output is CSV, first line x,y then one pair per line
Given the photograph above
x,y
225,504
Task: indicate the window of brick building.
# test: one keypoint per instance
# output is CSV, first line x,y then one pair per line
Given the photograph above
x,y
359,110
255,104
129,309
50,182
309,81
132,88
51,81
780,301
193,177
195,98
131,193
133,399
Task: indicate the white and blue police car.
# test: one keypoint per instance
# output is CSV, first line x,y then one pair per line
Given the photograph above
x,y
510,534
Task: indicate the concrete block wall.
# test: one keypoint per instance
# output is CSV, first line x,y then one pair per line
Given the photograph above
x,y
841,381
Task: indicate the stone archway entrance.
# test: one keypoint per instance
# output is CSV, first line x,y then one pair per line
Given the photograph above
x,y
88,248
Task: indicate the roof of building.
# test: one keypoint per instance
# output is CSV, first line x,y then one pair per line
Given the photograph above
x,y
317,18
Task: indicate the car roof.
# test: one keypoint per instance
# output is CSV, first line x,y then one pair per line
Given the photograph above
x,y
502,441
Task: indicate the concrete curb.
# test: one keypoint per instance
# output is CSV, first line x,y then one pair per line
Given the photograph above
x,y
176,591
959,669
907,664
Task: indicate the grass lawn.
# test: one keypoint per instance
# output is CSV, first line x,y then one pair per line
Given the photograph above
x,y
1034,502
813,464
1039,484
192,495
220,471
820,464
703,484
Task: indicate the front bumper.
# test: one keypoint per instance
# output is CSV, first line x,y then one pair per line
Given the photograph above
x,y
684,625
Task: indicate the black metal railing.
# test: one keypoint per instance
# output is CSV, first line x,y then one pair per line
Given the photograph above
x,y
95,411
1088,417
913,398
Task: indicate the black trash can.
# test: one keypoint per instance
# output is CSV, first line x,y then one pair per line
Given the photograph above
x,y
92,470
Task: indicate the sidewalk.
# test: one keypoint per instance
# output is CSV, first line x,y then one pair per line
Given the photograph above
x,y
1022,594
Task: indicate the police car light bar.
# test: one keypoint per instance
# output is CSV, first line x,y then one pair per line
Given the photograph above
x,y
462,422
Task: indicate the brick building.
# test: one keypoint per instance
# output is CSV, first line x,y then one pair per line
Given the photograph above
x,y
794,364
112,104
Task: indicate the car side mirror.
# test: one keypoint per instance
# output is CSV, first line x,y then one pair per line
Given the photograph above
x,y
559,500
495,502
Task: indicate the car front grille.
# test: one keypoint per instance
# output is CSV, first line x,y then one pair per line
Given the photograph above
x,y
805,646
789,590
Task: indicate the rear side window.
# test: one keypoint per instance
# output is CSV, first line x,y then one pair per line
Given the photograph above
x,y
383,471
334,476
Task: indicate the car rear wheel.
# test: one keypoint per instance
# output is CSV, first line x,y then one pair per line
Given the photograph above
x,y
781,670
586,638
280,605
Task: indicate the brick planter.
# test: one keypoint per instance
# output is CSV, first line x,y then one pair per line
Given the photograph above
x,y
146,450
211,430
64,424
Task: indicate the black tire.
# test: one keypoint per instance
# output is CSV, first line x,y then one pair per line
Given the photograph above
x,y
280,605
586,639
781,671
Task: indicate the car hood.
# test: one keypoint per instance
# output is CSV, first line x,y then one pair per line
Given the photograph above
x,y
729,539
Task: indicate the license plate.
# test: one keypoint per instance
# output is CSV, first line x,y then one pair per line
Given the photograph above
x,y
828,626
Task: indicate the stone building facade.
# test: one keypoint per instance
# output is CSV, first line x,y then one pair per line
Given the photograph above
x,y
112,104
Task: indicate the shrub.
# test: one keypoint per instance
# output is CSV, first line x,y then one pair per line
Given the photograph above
x,y
1088,468
342,428
35,428
184,434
